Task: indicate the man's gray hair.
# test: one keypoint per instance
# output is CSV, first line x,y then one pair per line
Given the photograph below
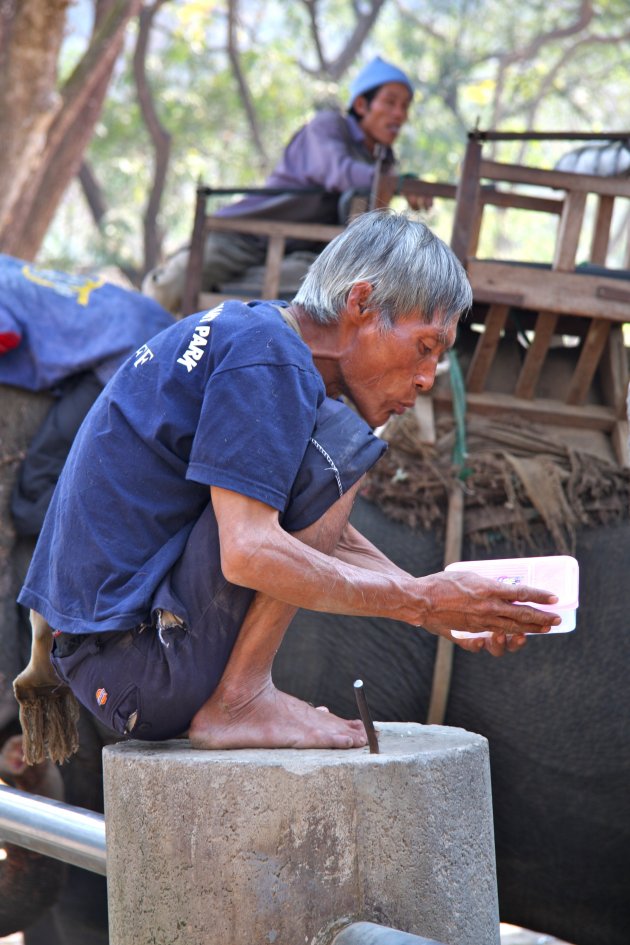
x,y
408,266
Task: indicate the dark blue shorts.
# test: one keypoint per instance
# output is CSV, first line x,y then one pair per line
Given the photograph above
x,y
148,682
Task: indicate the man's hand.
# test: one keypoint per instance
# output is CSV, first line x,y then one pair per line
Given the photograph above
x,y
497,645
392,185
460,600
419,201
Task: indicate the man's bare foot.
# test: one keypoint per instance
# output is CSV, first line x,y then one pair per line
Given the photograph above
x,y
270,719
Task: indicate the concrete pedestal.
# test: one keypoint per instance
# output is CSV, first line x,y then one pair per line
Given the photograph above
x,y
285,847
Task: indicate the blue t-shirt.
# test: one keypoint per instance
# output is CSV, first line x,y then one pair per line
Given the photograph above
x,y
226,398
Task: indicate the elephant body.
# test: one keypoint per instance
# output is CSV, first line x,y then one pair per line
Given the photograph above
x,y
53,904
555,715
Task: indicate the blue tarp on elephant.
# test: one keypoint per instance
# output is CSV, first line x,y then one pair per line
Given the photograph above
x,y
54,325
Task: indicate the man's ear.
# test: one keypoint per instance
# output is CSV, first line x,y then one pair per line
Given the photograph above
x,y
358,300
361,105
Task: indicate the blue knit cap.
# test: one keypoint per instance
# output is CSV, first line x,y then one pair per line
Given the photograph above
x,y
376,73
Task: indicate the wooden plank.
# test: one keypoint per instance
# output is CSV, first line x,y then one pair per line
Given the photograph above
x,y
443,666
427,188
592,349
626,257
488,195
466,201
518,201
382,189
586,417
486,348
194,269
556,180
613,370
601,229
425,418
536,354
389,185
273,262
475,230
315,232
491,135
619,438
569,231
544,290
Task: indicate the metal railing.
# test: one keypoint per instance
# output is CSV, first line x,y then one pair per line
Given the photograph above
x,y
368,933
67,833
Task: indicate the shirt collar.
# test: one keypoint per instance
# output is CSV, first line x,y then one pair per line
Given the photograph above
x,y
357,135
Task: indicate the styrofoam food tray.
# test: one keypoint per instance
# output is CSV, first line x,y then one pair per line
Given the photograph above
x,y
558,574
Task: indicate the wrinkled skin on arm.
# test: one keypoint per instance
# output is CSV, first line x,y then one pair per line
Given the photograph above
x,y
358,580
353,543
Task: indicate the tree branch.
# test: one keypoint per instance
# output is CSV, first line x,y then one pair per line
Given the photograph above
x,y
335,68
584,17
246,98
160,138
97,63
92,192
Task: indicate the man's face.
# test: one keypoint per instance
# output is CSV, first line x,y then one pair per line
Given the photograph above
x,y
384,371
383,117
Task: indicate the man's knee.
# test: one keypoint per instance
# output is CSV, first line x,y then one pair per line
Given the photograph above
x,y
166,283
341,450
325,533
228,255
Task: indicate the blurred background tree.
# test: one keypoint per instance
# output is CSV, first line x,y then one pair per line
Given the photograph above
x,y
47,120
212,90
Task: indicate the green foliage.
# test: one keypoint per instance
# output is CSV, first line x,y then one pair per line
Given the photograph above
x,y
507,66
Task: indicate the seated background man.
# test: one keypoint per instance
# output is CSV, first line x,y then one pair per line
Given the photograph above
x,y
207,497
335,151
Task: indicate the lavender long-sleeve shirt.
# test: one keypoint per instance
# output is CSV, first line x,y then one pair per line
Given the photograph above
x,y
329,152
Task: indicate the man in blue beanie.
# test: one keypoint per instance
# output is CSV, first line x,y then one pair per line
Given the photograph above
x,y
335,151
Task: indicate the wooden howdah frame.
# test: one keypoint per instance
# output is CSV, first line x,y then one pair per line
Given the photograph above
x,y
559,300
593,306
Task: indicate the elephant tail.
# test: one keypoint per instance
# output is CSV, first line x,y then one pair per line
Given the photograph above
x,y
49,712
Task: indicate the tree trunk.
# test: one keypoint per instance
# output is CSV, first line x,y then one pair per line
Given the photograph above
x,y
55,147
31,37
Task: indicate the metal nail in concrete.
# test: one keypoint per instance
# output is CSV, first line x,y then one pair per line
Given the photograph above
x,y
287,846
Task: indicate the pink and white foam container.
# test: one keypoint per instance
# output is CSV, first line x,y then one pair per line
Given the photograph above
x,y
558,574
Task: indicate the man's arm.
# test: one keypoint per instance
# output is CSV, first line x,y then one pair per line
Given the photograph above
x,y
324,153
256,552
356,549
